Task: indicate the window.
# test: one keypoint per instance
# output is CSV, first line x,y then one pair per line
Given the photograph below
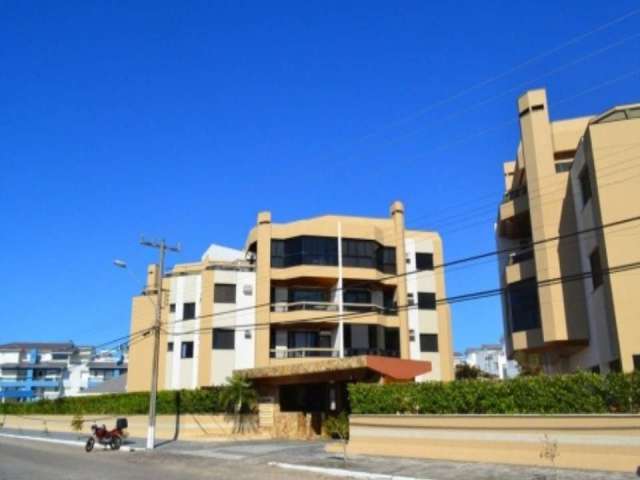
x,y
563,166
636,363
615,366
428,342
313,250
170,347
426,301
585,185
172,308
596,269
522,300
186,350
223,339
224,293
424,261
297,294
302,339
356,296
188,311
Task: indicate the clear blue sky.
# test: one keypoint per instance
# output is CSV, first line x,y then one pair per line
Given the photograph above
x,y
184,119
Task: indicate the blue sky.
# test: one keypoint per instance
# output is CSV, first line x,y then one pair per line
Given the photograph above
x,y
184,119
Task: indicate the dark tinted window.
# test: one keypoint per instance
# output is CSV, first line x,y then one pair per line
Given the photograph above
x,y
307,295
428,342
224,293
424,261
302,339
563,166
596,269
392,340
186,350
172,307
356,296
170,347
223,338
312,250
522,298
188,311
636,363
585,185
426,301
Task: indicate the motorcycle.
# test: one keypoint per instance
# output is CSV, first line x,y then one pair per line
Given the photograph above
x,y
111,438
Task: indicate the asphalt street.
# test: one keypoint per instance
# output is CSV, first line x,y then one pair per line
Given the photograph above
x,y
27,460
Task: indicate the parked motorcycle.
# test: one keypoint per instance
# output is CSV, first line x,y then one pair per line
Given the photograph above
x,y
111,438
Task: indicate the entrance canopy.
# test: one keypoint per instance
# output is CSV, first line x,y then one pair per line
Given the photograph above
x,y
366,367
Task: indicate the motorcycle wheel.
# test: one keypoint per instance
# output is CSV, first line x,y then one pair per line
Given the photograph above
x,y
115,443
89,445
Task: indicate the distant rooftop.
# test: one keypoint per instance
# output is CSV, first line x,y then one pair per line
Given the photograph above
x,y
47,346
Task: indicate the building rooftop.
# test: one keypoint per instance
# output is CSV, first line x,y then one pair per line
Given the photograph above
x,y
47,346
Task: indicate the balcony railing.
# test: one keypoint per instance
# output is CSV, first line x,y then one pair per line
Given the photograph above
x,y
282,307
305,352
313,352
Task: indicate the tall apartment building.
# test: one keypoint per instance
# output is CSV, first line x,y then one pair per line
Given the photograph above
x,y
304,308
39,370
567,306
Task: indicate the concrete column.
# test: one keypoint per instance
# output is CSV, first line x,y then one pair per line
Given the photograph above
x,y
206,326
397,215
263,288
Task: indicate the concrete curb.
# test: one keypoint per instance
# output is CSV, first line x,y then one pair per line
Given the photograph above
x,y
59,441
341,472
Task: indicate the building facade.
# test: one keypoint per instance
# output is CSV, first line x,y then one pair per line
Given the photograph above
x,y
34,371
570,301
311,302
491,359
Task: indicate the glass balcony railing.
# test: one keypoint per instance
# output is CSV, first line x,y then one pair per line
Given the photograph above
x,y
520,256
304,352
283,307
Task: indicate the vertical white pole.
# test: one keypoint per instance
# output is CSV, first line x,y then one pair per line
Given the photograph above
x,y
340,296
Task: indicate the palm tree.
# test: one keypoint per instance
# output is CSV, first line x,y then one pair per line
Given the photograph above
x,y
238,395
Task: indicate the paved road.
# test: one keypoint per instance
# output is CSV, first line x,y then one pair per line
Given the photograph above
x,y
27,460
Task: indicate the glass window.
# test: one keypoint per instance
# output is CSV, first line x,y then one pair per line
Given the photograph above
x,y
426,301
563,166
522,298
189,311
424,261
224,293
596,269
392,341
636,363
585,185
172,308
356,296
170,347
307,295
186,350
428,342
302,339
223,339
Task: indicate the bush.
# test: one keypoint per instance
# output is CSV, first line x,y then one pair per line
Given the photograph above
x,y
337,426
169,402
560,394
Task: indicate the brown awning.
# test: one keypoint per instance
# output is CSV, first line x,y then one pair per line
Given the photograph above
x,y
339,368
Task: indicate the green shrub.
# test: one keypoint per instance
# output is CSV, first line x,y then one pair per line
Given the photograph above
x,y
337,426
169,402
562,394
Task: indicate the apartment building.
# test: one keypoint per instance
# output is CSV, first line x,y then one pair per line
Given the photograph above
x,y
492,359
48,370
572,303
302,309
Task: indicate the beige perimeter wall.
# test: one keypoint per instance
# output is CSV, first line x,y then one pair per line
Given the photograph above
x,y
595,442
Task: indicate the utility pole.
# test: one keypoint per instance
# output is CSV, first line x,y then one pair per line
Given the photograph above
x,y
163,248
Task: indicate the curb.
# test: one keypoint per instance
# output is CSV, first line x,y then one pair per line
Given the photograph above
x,y
341,472
61,442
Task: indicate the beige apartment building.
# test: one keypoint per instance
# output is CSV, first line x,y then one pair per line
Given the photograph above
x,y
304,308
572,303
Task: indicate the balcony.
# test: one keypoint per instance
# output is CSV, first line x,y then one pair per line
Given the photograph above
x,y
304,352
317,311
520,266
514,221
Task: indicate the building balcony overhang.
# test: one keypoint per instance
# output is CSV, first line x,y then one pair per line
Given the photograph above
x,y
327,312
513,217
331,273
516,272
